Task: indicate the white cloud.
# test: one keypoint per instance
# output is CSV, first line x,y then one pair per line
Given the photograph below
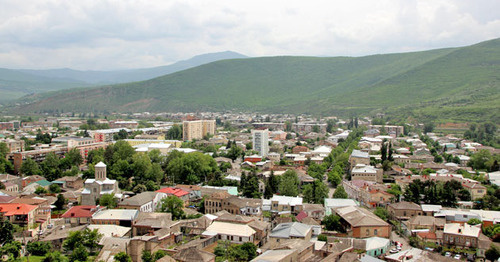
x,y
115,34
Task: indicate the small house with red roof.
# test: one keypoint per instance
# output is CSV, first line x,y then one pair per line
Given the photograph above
x,y
178,192
79,215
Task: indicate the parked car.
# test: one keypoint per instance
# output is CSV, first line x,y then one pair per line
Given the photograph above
x,y
393,251
447,254
457,256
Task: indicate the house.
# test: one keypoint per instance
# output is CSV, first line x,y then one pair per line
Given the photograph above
x,y
292,230
72,182
95,188
261,228
143,202
366,173
281,255
213,203
193,254
110,247
417,223
121,217
361,223
404,210
376,246
234,232
283,204
149,222
79,215
300,149
304,248
111,230
332,203
463,235
22,215
476,190
359,157
316,211
57,236
178,192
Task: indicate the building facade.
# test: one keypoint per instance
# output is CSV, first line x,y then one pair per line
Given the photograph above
x,y
260,141
197,129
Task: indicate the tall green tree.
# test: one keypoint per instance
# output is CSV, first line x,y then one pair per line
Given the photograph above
x,y
29,167
315,192
173,205
290,183
6,232
122,257
340,192
107,200
175,132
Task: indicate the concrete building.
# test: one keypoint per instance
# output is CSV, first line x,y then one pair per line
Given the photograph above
x,y
197,129
98,186
260,140
367,173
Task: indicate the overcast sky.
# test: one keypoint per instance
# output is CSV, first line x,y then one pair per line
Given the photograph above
x,y
107,35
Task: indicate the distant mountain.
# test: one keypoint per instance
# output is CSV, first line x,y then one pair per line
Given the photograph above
x,y
455,83
17,83
132,75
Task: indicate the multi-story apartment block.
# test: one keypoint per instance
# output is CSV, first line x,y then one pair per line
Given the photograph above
x,y
260,140
197,129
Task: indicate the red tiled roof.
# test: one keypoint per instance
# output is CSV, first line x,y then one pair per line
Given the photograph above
x,y
427,235
80,211
10,209
301,216
173,191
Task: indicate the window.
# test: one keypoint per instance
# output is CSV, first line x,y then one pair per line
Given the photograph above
x,y
375,231
368,232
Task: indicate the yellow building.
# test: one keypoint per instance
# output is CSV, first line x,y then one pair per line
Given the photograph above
x,y
197,129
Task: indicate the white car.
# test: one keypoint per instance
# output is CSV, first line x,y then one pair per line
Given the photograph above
x,y
393,251
457,256
447,254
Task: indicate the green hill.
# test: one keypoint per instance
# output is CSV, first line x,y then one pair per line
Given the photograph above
x,y
454,83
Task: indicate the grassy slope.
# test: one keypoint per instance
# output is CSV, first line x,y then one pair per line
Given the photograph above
x,y
457,83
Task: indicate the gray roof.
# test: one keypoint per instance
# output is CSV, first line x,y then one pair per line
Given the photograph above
x,y
359,154
292,229
116,214
140,199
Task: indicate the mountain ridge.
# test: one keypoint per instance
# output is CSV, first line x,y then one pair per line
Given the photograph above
x,y
417,83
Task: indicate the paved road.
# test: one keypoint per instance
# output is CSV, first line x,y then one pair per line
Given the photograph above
x,y
396,237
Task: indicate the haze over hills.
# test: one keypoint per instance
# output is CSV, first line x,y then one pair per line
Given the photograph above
x,y
20,82
456,83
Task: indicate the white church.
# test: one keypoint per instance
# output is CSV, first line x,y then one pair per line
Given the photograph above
x,y
98,186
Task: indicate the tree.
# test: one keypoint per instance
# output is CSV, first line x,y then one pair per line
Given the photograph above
x,y
493,253
464,195
315,192
147,256
340,192
428,127
395,190
40,190
159,254
60,202
54,188
54,257
91,238
29,167
173,205
107,200
474,221
192,168
332,222
289,185
234,152
251,189
334,178
12,249
122,257
382,213
38,248
79,253
73,240
175,132
6,232
122,134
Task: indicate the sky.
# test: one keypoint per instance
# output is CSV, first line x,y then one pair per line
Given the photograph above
x,y
121,34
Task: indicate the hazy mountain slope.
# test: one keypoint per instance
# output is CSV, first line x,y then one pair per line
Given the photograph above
x,y
133,75
427,83
15,84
